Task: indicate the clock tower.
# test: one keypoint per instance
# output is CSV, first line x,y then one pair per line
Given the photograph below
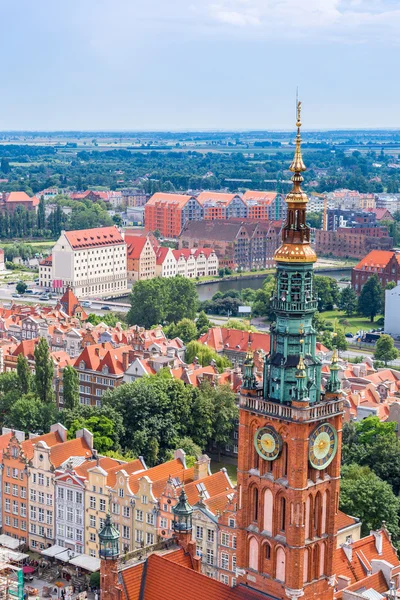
x,y
290,434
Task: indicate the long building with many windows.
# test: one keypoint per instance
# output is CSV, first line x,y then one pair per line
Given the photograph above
x,y
92,262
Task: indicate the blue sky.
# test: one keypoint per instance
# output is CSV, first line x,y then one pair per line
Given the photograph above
x,y
198,64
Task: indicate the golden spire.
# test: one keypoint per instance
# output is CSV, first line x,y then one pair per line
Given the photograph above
x,y
298,165
301,367
335,356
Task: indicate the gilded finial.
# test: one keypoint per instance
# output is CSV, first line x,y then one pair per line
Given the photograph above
x,y
335,356
298,165
301,367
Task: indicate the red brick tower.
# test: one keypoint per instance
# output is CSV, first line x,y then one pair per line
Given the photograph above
x,y
290,435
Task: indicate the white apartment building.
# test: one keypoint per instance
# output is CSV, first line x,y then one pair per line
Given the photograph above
x,y
70,506
392,310
196,263
165,262
92,262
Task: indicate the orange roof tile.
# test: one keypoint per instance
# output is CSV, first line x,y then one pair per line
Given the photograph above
x,y
175,200
219,197
135,245
97,237
363,550
61,452
259,195
105,462
181,582
70,303
51,439
376,258
220,338
344,520
134,467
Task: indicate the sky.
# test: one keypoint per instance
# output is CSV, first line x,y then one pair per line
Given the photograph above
x,y
198,64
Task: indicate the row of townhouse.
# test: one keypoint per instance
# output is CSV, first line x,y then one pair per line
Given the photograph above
x,y
57,493
168,213
146,260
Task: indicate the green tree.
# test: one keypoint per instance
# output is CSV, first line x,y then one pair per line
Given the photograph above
x,y
41,215
348,301
327,292
238,324
155,411
181,298
314,219
84,413
370,301
262,300
10,391
374,444
102,429
364,495
5,166
70,388
203,323
24,374
29,414
44,372
385,349
205,355
191,449
333,339
21,287
186,330
147,305
225,415
202,416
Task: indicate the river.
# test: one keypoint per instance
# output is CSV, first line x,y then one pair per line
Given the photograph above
x,y
207,290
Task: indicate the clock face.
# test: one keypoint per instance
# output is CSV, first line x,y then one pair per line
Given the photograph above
x,y
322,446
268,443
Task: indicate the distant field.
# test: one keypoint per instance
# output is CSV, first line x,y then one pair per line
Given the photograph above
x,y
38,245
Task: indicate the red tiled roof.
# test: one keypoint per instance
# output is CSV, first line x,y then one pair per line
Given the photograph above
x,y
182,583
21,197
220,338
70,303
26,348
96,356
61,452
51,439
344,520
376,259
363,550
47,261
178,200
161,254
135,245
91,238
105,462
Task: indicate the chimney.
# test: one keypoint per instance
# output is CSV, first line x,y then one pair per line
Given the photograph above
x,y
97,351
201,467
378,535
60,429
125,360
86,435
348,550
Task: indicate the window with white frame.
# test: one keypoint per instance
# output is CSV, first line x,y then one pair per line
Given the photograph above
x,y
149,539
126,532
150,518
210,535
224,562
102,505
92,502
139,535
92,521
210,556
199,533
225,539
139,515
126,512
224,579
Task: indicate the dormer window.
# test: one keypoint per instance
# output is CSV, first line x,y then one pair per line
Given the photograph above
x,y
105,369
82,364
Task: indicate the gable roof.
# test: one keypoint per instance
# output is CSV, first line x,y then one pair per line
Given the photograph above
x,y
61,452
363,551
175,200
159,574
70,303
135,245
21,197
265,197
375,259
91,238
217,197
235,340
52,439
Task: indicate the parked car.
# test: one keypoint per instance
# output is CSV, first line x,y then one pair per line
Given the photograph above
x,y
349,335
15,296
86,304
28,291
44,297
105,307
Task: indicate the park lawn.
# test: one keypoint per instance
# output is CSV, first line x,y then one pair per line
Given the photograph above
x,y
356,322
35,244
231,468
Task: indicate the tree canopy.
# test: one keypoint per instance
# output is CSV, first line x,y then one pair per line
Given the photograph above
x,y
385,349
370,301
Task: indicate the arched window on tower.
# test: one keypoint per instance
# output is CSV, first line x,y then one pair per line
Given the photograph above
x,y
253,554
322,560
285,458
282,525
266,558
255,504
307,518
280,565
317,514
268,511
325,503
